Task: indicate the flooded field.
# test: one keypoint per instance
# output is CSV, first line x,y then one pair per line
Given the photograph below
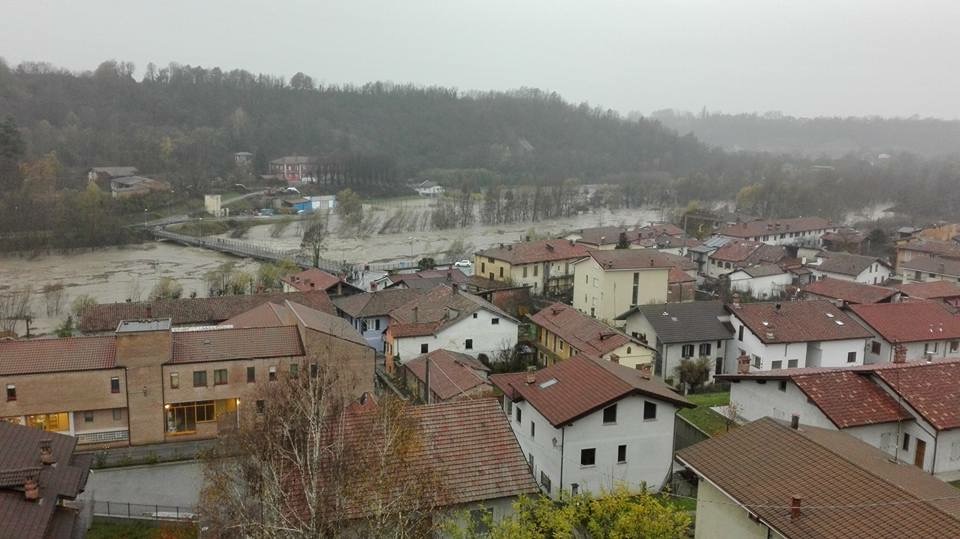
x,y
110,275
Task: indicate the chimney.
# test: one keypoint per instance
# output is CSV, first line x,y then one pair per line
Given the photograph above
x,y
644,371
743,364
531,376
46,452
795,507
795,422
31,490
899,353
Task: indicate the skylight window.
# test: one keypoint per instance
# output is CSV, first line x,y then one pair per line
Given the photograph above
x,y
829,315
839,322
548,383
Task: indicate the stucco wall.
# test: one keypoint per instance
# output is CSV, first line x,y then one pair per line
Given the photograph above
x,y
488,338
608,294
719,517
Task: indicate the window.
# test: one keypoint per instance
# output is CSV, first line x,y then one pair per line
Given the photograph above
x,y
219,377
718,369
719,345
906,442
524,271
610,415
468,344
519,414
593,312
261,406
740,333
314,370
649,410
501,271
184,416
874,347
376,324
509,406
174,380
117,414
596,282
545,481
954,346
251,375
11,392
115,385
474,315
424,348
495,321
686,351
363,326
574,488
533,429
530,460
199,378
705,350
636,289
621,454
757,362
483,267
88,417
272,374
536,269
851,357
776,365
792,363
586,279
783,386
629,349
294,371
588,457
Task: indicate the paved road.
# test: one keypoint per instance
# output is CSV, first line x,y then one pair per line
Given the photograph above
x,y
173,484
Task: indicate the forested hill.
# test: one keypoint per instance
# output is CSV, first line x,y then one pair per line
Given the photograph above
x,y
774,132
187,121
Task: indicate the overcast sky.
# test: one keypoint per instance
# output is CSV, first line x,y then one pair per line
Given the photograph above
x,y
802,57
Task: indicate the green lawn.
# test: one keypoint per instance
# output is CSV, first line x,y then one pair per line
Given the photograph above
x,y
140,530
702,416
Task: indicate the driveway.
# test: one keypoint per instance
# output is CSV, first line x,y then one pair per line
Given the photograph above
x,y
172,483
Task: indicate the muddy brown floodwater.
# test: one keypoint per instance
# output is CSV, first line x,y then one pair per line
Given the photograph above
x,y
110,275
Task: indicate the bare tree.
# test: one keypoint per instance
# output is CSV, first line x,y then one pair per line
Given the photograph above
x,y
305,462
14,307
314,236
54,296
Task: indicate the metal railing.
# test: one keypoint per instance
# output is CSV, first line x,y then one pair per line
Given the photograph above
x,y
139,511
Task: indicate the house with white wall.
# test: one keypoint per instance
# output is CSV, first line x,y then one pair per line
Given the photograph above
x,y
761,281
369,312
737,254
767,480
609,283
841,292
588,425
850,267
798,231
447,317
793,334
911,411
920,329
681,331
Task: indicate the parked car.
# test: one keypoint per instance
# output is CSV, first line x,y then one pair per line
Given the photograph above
x,y
463,264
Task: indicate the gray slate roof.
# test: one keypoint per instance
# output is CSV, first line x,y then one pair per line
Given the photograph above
x,y
845,263
685,322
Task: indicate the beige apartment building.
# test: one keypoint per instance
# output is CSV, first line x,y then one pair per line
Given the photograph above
x,y
151,383
545,266
609,283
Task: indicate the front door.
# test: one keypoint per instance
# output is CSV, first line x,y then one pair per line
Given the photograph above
x,y
919,454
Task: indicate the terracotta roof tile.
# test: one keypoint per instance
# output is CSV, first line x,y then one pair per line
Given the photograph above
x,y
937,265
763,464
850,399
751,229
56,355
846,263
582,386
451,373
188,311
627,259
932,389
438,308
379,303
930,290
241,343
798,321
913,321
849,291
947,249
536,251
587,335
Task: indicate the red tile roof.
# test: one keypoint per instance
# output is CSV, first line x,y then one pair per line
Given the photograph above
x,y
914,321
193,311
798,321
850,399
846,263
848,489
629,259
379,303
582,386
761,228
947,249
20,460
451,373
935,265
677,275
932,389
536,251
437,309
745,252
849,291
930,290
242,343
587,335
312,279
57,355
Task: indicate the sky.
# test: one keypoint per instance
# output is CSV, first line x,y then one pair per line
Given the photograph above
x,y
801,57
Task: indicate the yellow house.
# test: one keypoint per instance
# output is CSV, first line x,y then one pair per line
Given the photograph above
x,y
564,332
609,283
545,266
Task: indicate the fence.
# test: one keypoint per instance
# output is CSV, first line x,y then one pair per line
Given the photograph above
x,y
138,511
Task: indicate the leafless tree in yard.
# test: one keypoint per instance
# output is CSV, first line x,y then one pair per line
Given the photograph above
x,y
14,307
54,297
305,462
